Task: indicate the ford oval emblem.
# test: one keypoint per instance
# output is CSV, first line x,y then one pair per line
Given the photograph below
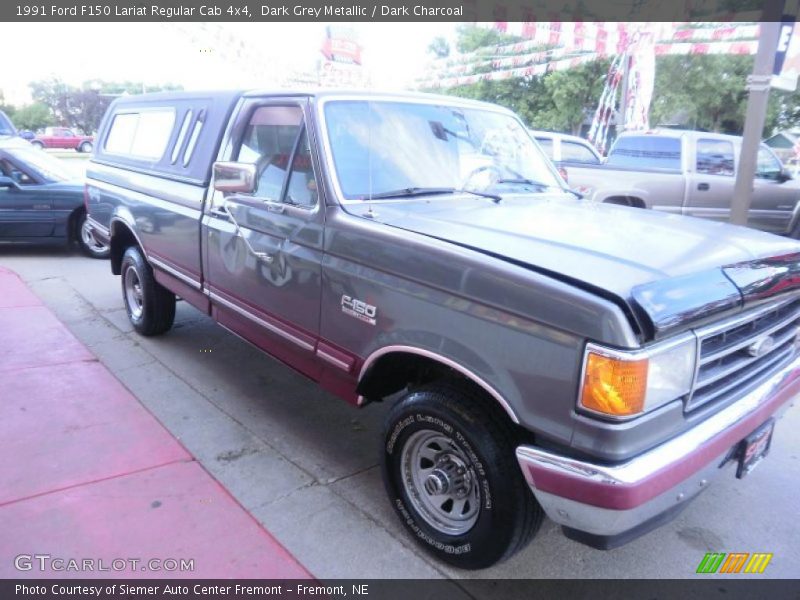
x,y
761,346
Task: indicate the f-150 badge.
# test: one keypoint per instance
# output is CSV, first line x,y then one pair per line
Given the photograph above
x,y
359,309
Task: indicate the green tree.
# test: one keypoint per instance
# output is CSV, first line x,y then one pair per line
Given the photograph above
x,y
83,107
52,93
33,116
471,37
560,100
439,47
525,96
709,93
706,92
571,97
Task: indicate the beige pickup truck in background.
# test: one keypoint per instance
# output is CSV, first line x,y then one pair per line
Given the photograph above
x,y
690,173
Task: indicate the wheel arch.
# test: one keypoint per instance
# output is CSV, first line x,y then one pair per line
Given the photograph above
x,y
73,221
625,200
122,236
390,368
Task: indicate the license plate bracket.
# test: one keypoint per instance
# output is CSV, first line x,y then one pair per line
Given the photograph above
x,y
754,448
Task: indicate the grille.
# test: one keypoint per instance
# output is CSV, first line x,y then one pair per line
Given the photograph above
x,y
726,362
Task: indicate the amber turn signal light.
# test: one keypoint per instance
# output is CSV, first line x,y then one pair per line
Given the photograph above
x,y
614,387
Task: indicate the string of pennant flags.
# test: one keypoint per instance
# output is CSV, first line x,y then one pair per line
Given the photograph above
x,y
559,64
633,47
578,43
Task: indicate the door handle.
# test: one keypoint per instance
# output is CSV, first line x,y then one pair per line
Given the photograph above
x,y
274,207
703,187
220,212
263,256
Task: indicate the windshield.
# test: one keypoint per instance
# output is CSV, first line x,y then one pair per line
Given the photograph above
x,y
6,128
646,152
382,149
43,164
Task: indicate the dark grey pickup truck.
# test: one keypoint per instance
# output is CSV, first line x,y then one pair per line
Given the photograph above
x,y
544,354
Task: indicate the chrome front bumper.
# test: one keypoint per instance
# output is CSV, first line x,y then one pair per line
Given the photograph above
x,y
614,500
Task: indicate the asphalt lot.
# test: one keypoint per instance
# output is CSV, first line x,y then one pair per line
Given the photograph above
x,y
305,463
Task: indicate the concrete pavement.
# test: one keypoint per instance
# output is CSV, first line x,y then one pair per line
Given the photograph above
x,y
305,464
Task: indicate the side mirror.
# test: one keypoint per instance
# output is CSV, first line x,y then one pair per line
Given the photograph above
x,y
8,183
235,177
784,176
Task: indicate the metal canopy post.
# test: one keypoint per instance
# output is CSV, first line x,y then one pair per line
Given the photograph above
x,y
758,85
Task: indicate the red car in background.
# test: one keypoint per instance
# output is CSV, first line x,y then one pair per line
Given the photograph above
x,y
62,137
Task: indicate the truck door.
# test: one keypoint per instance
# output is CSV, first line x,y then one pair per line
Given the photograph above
x,y
712,180
263,252
774,198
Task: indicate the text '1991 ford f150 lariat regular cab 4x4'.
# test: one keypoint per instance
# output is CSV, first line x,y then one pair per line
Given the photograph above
x,y
545,354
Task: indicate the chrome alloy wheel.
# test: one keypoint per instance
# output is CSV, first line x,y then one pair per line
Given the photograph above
x,y
91,242
133,293
440,482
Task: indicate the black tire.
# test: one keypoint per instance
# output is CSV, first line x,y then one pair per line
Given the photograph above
x,y
618,201
508,515
85,147
37,145
89,245
152,310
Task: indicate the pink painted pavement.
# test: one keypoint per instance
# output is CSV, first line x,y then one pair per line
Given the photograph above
x,y
87,472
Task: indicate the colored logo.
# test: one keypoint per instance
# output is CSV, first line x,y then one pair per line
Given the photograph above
x,y
734,562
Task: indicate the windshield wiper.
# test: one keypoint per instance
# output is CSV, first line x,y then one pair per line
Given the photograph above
x,y
524,180
410,192
495,197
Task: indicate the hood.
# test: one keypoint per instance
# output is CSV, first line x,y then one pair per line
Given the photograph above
x,y
664,269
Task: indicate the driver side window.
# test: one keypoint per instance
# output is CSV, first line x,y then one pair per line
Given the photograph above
x,y
274,138
767,166
7,169
268,142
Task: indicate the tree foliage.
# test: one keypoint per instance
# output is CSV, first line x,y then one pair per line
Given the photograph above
x,y
472,37
709,93
83,107
706,92
33,116
572,97
439,47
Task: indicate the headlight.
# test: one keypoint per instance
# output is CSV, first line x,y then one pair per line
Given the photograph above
x,y
625,384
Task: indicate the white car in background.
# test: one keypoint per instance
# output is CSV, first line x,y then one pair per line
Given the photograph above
x,y
567,150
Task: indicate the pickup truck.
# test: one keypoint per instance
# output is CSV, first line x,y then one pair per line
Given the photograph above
x,y
567,150
61,137
690,173
543,354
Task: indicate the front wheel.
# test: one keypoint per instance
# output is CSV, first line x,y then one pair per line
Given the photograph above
x,y
150,306
85,147
37,145
452,477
